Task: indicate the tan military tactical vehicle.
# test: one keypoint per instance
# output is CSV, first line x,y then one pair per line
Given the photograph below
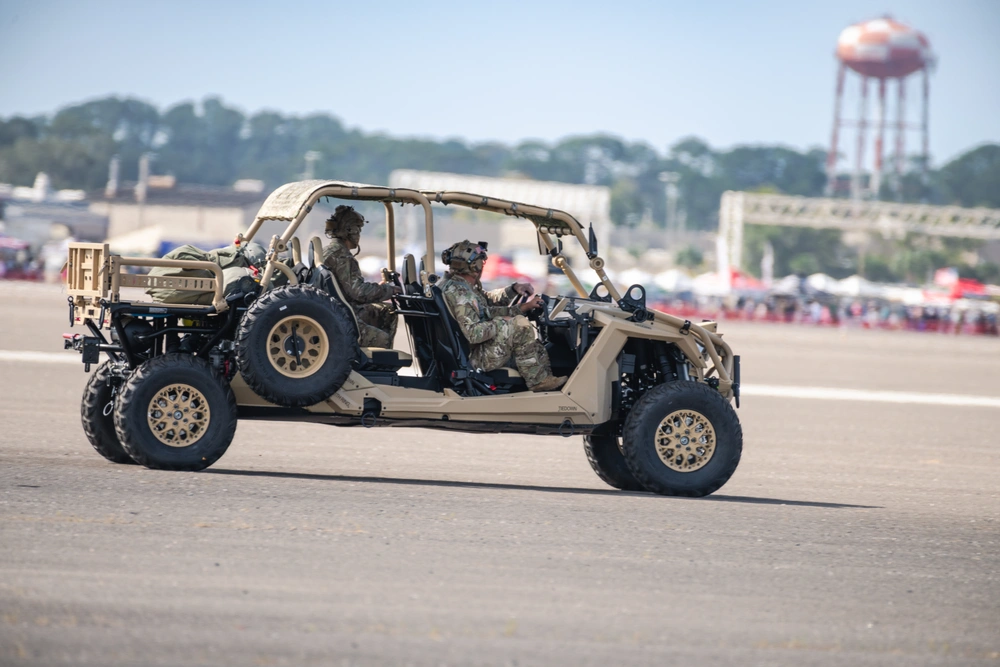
x,y
649,392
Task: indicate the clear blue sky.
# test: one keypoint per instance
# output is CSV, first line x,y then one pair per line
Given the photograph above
x,y
729,72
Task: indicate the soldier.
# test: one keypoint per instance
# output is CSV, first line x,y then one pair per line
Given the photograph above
x,y
497,332
377,321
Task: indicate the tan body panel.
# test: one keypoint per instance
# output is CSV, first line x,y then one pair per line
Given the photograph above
x,y
584,400
408,403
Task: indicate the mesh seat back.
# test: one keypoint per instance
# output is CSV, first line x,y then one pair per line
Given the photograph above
x,y
450,345
410,278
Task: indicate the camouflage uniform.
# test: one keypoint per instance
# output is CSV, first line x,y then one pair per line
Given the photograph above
x,y
495,341
376,321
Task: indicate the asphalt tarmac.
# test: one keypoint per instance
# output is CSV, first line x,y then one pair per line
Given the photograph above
x,y
854,532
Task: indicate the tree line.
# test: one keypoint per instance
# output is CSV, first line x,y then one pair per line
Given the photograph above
x,y
212,143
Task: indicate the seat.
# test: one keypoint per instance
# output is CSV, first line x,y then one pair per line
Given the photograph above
x,y
452,348
322,278
409,276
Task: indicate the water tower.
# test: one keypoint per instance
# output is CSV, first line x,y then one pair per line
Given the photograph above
x,y
888,52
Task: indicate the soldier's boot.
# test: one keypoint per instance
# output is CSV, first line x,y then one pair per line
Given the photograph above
x,y
551,383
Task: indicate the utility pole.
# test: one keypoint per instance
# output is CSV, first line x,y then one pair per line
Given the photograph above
x,y
312,157
670,179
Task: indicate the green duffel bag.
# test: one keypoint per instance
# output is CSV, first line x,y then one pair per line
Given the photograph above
x,y
233,261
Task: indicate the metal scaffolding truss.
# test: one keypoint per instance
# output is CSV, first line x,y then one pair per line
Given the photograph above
x,y
889,219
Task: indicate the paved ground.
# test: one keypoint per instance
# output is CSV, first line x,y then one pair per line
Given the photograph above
x,y
853,533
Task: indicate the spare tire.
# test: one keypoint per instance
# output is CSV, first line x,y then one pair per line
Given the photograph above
x,y
296,346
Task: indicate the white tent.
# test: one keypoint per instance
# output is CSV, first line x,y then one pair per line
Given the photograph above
x,y
858,286
629,277
710,284
145,241
787,285
149,241
823,283
673,280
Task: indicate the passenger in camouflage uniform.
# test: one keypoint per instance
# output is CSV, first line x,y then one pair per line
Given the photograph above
x,y
376,321
496,331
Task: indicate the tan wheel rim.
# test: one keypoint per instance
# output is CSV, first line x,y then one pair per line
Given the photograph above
x,y
685,440
179,415
297,346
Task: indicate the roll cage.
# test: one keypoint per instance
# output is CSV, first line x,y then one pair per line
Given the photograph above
x,y
293,201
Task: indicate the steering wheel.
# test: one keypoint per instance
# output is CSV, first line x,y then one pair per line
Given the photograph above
x,y
535,314
541,314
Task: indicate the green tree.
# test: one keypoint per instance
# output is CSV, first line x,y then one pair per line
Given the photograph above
x,y
798,250
689,257
626,203
973,179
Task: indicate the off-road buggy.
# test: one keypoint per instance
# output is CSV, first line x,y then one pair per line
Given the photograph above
x,y
649,392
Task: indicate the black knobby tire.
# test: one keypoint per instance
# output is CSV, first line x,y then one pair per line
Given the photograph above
x,y
642,429
606,459
263,343
98,426
192,422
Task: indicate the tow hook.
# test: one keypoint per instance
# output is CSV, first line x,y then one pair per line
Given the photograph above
x,y
370,412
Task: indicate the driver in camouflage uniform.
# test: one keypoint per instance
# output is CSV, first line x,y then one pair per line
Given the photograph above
x,y
376,321
496,332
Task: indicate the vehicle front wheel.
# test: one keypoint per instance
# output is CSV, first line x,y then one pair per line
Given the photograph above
x,y
97,414
175,413
682,439
605,457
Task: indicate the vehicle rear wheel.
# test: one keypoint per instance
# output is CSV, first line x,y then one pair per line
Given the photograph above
x,y
682,439
606,459
99,419
296,346
175,413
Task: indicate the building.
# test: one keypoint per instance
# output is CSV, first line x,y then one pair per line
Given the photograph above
x,y
164,213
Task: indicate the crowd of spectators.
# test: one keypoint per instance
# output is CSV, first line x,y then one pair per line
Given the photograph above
x,y
959,317
19,265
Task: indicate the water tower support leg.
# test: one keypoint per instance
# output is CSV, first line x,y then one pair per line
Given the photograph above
x,y
900,138
859,157
876,183
831,157
924,128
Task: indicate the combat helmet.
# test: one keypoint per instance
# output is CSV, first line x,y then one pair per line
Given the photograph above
x,y
345,224
465,257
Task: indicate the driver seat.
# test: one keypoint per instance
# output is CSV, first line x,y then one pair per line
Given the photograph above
x,y
452,348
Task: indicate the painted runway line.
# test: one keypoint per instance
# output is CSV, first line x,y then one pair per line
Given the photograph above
x,y
868,396
40,357
750,390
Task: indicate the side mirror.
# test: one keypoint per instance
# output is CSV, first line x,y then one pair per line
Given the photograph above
x,y
592,237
